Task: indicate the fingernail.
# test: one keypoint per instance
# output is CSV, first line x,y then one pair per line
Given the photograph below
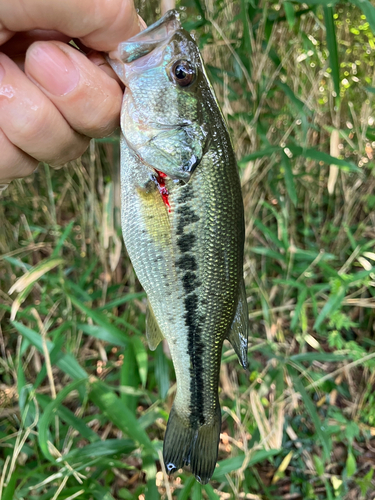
x,y
142,25
2,72
51,68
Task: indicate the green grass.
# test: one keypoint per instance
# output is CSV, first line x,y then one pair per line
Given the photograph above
x,y
84,403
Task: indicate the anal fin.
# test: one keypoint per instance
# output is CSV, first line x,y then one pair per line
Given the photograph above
x,y
239,331
153,333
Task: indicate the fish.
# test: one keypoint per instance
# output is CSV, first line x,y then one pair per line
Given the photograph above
x,y
183,227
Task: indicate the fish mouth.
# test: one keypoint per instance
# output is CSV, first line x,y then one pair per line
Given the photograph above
x,y
147,40
166,126
154,36
144,43
146,125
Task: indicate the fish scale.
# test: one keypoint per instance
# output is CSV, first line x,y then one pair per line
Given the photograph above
x,y
183,225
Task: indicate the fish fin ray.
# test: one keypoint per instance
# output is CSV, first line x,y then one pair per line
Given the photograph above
x,y
239,331
153,332
197,447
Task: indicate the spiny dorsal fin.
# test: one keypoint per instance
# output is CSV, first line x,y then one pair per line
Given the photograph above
x,y
240,327
153,333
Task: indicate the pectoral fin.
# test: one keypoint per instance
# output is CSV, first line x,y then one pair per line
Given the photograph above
x,y
240,327
153,333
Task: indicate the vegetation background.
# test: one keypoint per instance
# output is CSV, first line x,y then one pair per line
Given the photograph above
x,y
84,403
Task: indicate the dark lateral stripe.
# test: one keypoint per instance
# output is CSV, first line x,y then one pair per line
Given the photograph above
x,y
190,282
187,216
186,242
188,264
186,194
195,351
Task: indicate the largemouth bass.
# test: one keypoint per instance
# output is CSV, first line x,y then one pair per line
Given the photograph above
x,y
183,226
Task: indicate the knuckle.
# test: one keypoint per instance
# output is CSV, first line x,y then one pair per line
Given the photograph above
x,y
71,150
14,163
104,128
18,167
31,126
29,166
103,118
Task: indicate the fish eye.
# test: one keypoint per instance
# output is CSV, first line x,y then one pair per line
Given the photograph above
x,y
183,73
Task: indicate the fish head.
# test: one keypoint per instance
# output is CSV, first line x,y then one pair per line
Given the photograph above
x,y
164,118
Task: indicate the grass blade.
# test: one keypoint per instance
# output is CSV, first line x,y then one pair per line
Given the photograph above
x,y
122,300
105,334
313,154
210,492
290,15
115,410
101,448
8,493
108,330
34,274
161,371
308,153
49,414
333,303
297,311
289,178
332,47
186,491
317,2
129,377
69,418
197,492
141,358
234,463
149,467
300,106
66,362
62,238
369,11
260,154
319,428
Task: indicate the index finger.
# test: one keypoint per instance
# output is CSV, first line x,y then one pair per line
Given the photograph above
x,y
99,24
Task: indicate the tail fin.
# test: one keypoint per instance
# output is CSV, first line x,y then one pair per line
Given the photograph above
x,y
197,447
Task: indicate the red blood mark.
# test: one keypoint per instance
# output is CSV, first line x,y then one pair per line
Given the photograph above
x,y
161,187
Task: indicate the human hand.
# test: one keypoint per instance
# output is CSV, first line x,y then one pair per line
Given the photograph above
x,y
62,98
